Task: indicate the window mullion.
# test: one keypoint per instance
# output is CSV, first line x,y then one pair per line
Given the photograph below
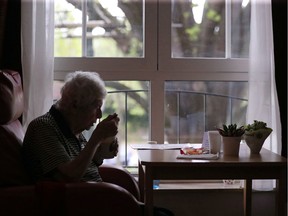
x,y
164,34
228,29
157,115
84,28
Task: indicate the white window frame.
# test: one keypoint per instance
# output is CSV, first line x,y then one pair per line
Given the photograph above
x,y
157,66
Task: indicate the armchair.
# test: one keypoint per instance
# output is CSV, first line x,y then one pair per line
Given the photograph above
x,y
19,196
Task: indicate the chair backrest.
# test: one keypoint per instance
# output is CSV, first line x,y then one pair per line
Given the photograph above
x,y
11,130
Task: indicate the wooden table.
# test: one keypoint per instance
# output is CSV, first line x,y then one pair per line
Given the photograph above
x,y
163,164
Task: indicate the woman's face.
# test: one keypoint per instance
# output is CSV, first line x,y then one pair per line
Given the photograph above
x,y
88,117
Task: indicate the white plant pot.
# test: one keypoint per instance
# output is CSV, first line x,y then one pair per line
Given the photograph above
x,y
256,139
231,145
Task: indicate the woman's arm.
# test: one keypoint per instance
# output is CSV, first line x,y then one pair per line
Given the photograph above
x,y
73,170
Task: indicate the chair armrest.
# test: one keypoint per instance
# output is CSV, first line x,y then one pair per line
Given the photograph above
x,y
18,200
120,176
87,198
100,199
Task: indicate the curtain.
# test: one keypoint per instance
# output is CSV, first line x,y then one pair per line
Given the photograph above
x,y
279,17
263,101
10,36
37,29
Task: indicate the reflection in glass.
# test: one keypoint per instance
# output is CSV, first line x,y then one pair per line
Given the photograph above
x,y
193,107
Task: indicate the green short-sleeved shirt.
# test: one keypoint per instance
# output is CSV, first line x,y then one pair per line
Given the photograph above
x,y
48,142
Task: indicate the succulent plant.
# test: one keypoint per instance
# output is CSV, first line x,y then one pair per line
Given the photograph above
x,y
231,130
257,129
256,125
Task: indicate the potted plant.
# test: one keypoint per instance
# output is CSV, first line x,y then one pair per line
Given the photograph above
x,y
255,135
231,137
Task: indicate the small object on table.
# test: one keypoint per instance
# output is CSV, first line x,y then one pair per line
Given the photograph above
x,y
196,153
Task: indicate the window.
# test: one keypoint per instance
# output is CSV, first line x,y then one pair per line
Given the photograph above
x,y
98,28
193,107
173,69
207,28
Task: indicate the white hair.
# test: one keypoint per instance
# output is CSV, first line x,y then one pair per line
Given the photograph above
x,y
82,89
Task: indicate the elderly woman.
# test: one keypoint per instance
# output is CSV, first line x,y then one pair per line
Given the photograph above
x,y
54,147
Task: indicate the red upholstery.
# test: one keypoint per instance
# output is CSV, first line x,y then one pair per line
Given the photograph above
x,y
11,100
18,200
116,200
19,197
120,177
11,131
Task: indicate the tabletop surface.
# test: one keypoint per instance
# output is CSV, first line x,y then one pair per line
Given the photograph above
x,y
163,164
158,157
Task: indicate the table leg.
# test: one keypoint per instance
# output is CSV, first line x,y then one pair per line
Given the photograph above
x,y
148,192
248,197
141,181
281,196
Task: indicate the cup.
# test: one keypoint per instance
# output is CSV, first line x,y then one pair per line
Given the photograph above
x,y
105,151
214,141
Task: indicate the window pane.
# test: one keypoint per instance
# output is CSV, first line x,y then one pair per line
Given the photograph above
x,y
130,100
195,107
198,28
240,29
114,28
68,30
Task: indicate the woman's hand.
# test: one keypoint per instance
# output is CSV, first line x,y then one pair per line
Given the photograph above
x,y
108,127
114,147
